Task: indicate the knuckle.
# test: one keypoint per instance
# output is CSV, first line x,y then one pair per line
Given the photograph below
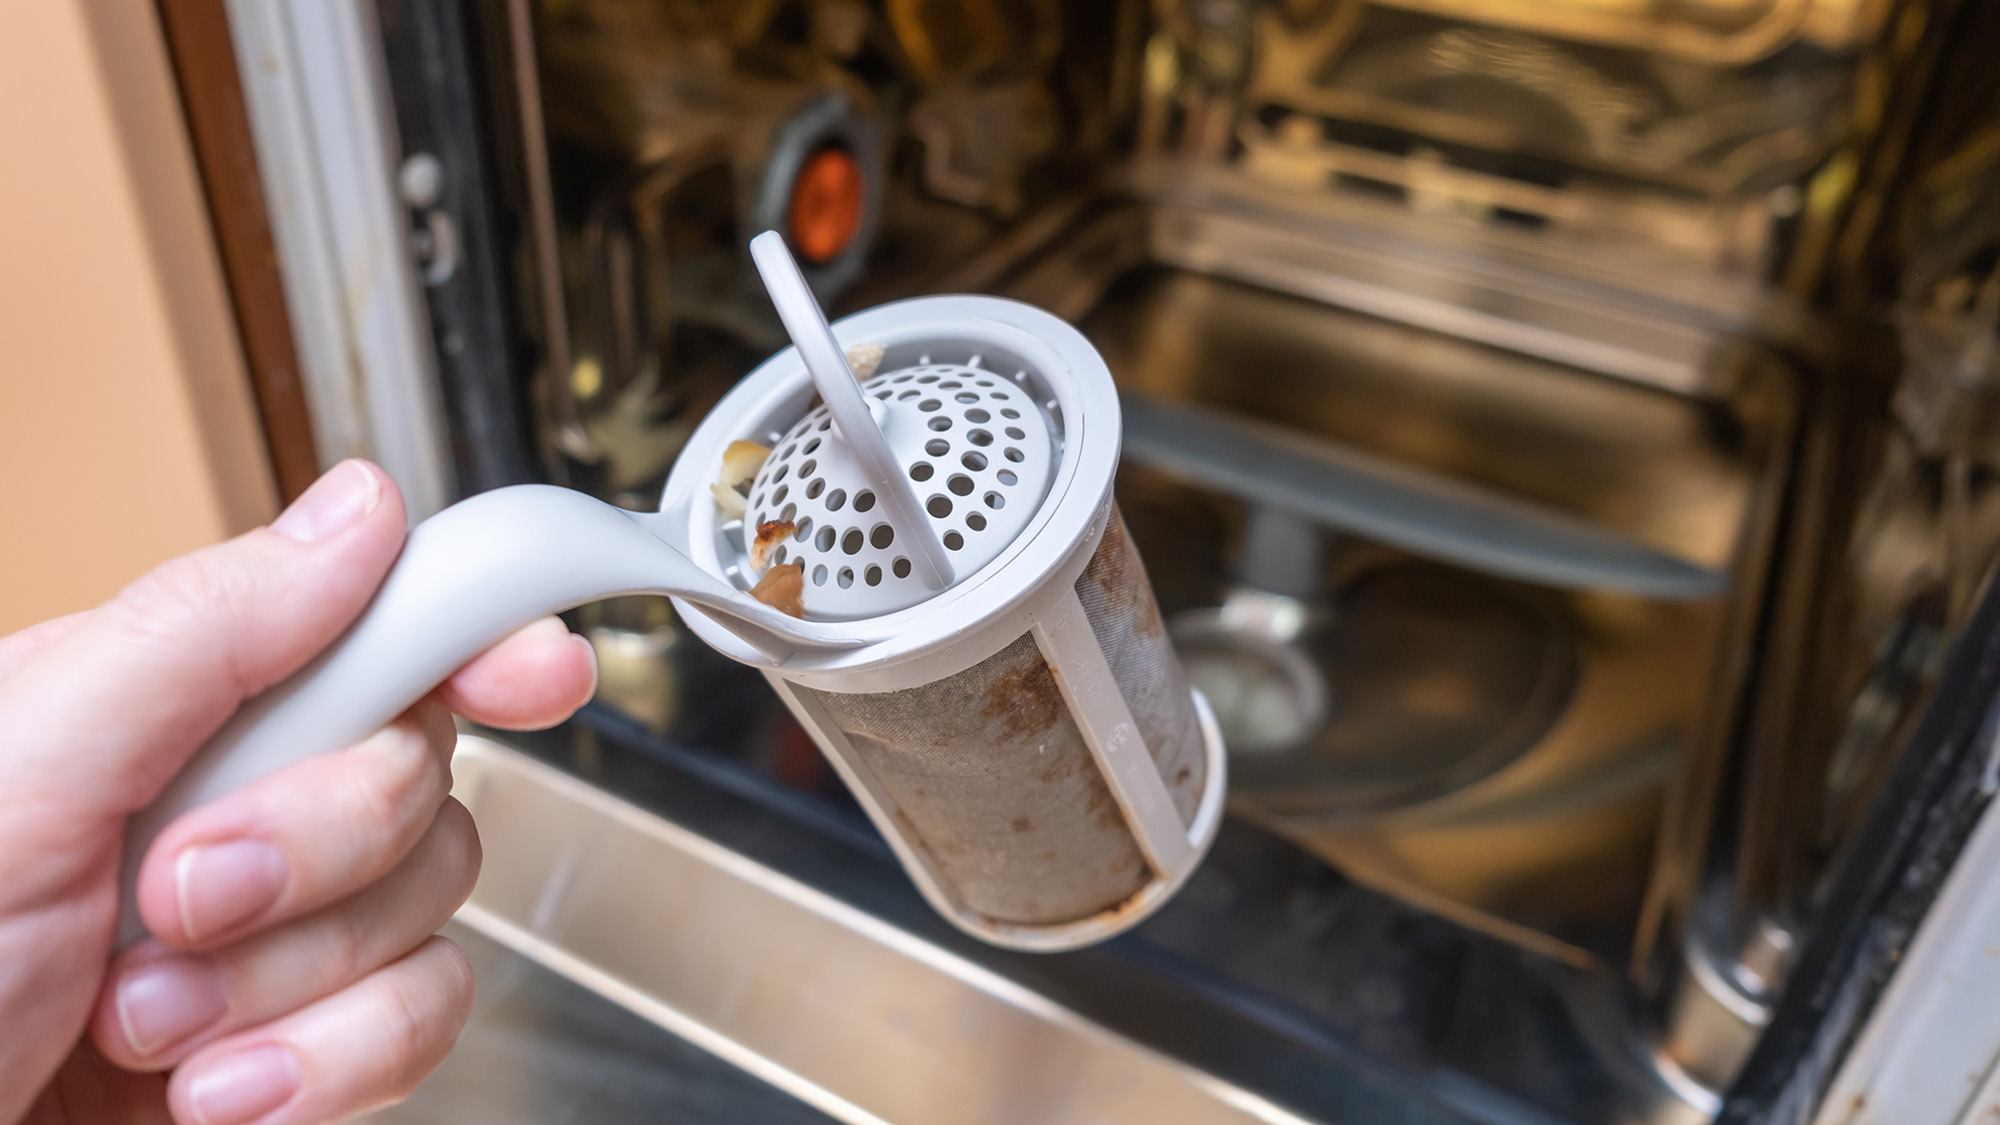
x,y
463,851
184,600
406,787
351,952
176,594
424,1005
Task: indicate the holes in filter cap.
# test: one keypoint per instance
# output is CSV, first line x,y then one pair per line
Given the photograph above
x,y
819,575
900,568
778,556
782,470
979,437
805,470
1008,412
835,499
940,423
1014,455
939,506
975,521
846,577
1007,476
881,537
928,379
983,383
873,576
790,513
825,540
826,425
921,471
864,500
937,447
814,489
803,531
973,460
950,385
995,501
1016,433
977,416
953,540
789,450
966,396
852,542
908,395
812,445
929,405
960,484
778,497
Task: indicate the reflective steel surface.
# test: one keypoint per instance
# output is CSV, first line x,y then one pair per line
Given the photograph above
x,y
837,1008
541,1049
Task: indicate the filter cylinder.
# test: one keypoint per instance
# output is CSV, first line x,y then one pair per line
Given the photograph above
x,y
1025,739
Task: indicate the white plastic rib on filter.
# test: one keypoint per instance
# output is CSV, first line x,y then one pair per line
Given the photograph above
x,y
978,452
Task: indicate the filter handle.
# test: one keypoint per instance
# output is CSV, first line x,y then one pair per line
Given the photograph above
x,y
467,578
827,364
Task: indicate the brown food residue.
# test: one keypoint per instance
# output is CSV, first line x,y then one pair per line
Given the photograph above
x,y
769,534
783,588
1116,569
1024,703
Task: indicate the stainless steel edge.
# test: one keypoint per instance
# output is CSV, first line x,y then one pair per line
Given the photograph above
x,y
849,1014
1399,505
317,100
1506,307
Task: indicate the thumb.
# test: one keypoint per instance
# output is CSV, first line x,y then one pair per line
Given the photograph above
x,y
110,711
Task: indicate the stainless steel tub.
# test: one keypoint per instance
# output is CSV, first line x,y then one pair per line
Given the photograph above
x,y
841,1011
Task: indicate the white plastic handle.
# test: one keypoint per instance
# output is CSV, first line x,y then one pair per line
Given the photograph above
x,y
806,324
467,577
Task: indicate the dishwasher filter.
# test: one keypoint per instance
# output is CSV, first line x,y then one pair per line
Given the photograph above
x,y
1015,721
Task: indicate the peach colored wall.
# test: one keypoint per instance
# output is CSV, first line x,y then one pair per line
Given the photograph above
x,y
127,433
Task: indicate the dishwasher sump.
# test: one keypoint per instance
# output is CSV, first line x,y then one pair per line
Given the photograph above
x,y
1496,749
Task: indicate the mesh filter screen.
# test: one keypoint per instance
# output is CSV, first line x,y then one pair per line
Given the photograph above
x,y
1118,600
990,772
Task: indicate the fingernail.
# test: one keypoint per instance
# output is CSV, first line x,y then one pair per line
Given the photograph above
x,y
347,492
222,885
165,1002
590,650
244,1086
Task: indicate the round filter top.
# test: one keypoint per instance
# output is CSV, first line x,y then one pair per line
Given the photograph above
x,y
978,451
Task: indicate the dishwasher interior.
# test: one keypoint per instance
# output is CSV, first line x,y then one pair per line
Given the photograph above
x,y
1493,438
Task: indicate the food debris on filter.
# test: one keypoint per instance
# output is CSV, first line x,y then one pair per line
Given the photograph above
x,y
769,534
783,588
740,463
865,359
729,502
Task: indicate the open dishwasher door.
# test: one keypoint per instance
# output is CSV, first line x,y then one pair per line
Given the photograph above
x,y
1558,440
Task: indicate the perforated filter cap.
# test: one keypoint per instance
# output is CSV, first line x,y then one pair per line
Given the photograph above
x,y
977,449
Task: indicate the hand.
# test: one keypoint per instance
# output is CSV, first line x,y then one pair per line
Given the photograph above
x,y
292,975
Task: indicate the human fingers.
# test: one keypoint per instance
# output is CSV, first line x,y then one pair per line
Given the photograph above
x,y
173,655
365,1046
533,679
90,1090
16,649
158,1006
310,834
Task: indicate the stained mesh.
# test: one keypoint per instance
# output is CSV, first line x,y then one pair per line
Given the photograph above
x,y
991,775
1119,602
